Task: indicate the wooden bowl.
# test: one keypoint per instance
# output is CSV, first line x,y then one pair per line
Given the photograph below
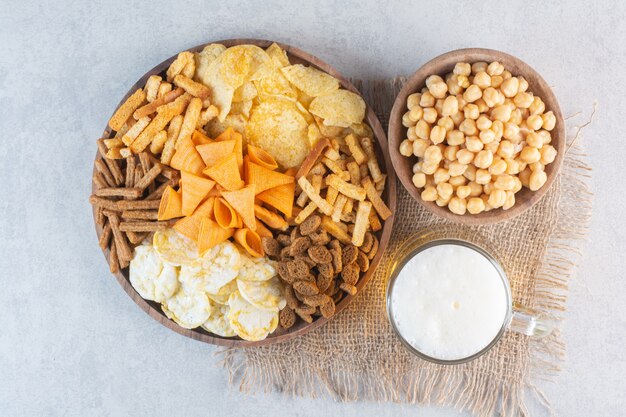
x,y
443,65
153,309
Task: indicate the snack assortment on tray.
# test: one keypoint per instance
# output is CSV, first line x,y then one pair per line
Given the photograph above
x,y
479,137
241,191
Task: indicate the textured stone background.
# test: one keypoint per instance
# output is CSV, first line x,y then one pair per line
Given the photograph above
x,y
73,343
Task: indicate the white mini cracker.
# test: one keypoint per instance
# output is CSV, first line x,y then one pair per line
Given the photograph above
x,y
267,295
174,248
250,323
188,309
150,277
216,268
217,322
256,269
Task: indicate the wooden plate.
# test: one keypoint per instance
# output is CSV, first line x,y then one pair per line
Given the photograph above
x,y
442,65
296,56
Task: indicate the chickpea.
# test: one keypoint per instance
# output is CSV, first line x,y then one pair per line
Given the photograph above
x,y
509,87
523,99
534,122
512,167
462,68
483,122
450,106
497,198
442,202
537,106
506,149
475,205
511,130
406,148
422,129
458,181
470,173
463,191
463,81
516,116
455,137
456,168
537,166
417,167
535,140
457,205
453,84
439,105
472,93
536,180
478,67
495,68
427,100
483,159
437,135
436,86
545,135
413,100
485,199
482,106
530,154
471,111
518,185
498,166
523,84
429,168
458,117
468,127
488,188
406,120
429,194
504,182
549,120
548,154
509,201
410,133
491,96
450,153
496,81
498,128
445,190
419,179
432,155
524,176
502,113
506,75
441,175
487,136
483,177
473,144
446,122
492,146
477,189
419,147
429,115
415,114
482,80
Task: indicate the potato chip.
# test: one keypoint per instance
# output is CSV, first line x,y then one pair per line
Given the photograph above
x,y
235,121
278,127
174,248
245,93
150,277
205,58
241,108
216,268
256,269
314,134
309,80
218,323
362,130
187,308
278,55
221,296
304,99
329,131
275,85
339,108
249,322
266,295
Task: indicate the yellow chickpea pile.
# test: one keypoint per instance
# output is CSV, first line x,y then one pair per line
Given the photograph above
x,y
480,137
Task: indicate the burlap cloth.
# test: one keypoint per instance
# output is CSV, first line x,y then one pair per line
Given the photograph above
x,y
357,355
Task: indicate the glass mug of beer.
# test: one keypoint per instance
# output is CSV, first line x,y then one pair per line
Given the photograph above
x,y
449,301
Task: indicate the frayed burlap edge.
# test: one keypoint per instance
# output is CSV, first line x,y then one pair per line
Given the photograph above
x,y
451,386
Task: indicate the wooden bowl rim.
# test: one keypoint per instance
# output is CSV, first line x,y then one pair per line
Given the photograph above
x,y
438,66
153,309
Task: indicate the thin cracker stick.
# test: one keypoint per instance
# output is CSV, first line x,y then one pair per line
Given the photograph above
x,y
355,149
207,115
375,221
355,173
149,178
150,108
379,205
273,220
164,115
114,168
312,157
135,131
103,169
173,131
140,214
361,222
130,171
99,181
308,188
114,263
334,229
143,226
158,142
345,188
100,217
124,112
331,195
122,205
164,88
340,202
372,162
144,160
113,143
305,213
179,65
138,173
118,153
105,237
119,192
347,208
190,120
194,88
332,154
318,168
103,203
124,251
152,87
158,192
136,238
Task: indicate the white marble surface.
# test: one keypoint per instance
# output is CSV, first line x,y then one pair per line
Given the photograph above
x,y
73,343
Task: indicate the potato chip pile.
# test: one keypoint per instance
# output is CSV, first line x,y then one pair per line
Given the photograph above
x,y
225,291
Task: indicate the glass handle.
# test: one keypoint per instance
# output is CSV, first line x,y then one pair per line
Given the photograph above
x,y
531,323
